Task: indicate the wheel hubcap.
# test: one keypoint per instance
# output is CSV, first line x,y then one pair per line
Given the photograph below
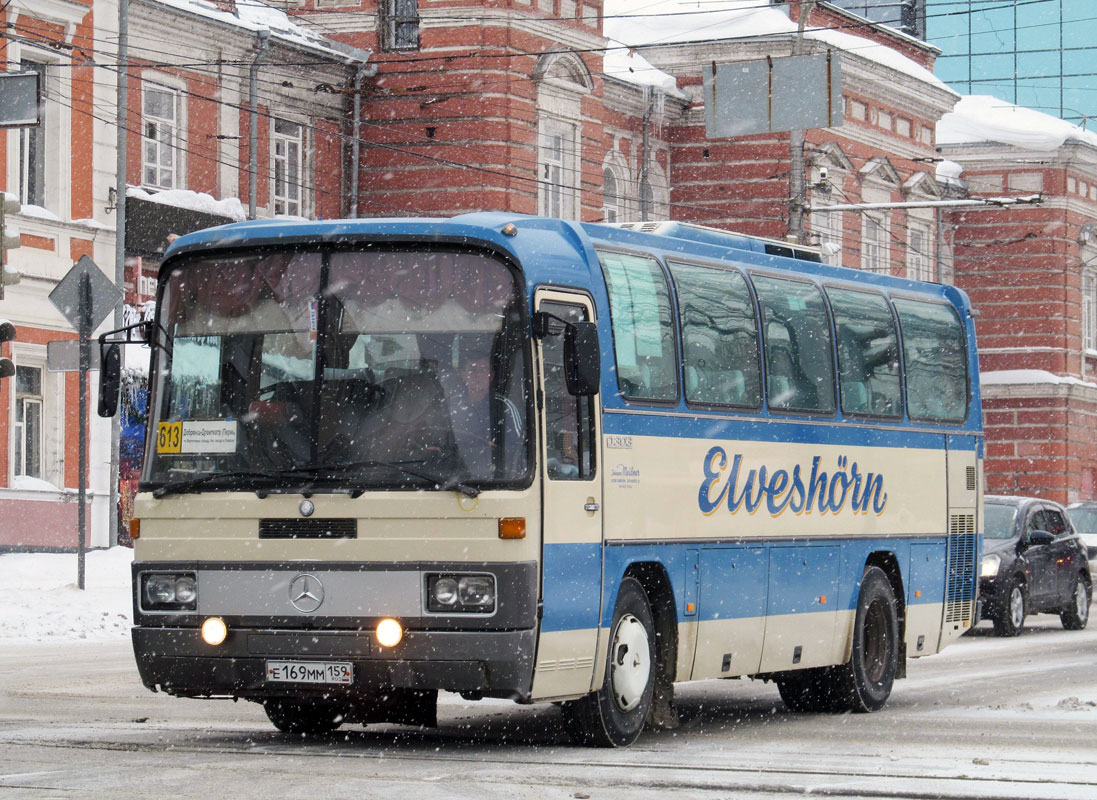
x,y
1016,607
631,664
1081,601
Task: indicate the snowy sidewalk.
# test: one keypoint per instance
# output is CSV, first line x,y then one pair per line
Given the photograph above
x,y
39,601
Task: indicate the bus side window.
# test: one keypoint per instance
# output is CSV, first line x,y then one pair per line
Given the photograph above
x,y
569,420
643,334
935,359
868,353
799,357
719,337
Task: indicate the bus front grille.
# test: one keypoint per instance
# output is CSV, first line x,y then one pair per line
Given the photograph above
x,y
308,529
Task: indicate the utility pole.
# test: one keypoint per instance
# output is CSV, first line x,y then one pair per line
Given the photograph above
x,y
119,244
797,186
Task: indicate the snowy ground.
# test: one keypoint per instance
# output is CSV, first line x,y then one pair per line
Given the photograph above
x,y
39,601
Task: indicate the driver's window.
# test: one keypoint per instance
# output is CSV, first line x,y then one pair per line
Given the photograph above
x,y
1056,525
1035,522
569,420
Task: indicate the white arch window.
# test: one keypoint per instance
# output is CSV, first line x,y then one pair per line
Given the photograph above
x,y
613,195
562,82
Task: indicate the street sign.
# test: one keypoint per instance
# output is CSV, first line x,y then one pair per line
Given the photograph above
x,y
773,94
63,355
104,294
20,99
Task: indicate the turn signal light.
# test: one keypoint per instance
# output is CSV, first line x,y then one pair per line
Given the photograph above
x,y
512,528
135,528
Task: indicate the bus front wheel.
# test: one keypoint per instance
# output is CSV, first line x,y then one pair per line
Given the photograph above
x,y
614,715
303,717
864,683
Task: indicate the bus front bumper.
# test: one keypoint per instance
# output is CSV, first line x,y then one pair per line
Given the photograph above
x,y
487,663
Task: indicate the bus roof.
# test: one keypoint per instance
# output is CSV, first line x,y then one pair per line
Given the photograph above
x,y
553,250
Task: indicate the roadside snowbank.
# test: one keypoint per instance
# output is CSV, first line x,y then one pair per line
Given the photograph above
x,y
39,601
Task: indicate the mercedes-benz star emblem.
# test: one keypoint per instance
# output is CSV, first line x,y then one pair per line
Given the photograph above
x,y
306,593
306,508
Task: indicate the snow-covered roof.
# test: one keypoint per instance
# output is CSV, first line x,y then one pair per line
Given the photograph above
x,y
672,21
625,64
253,16
193,201
982,118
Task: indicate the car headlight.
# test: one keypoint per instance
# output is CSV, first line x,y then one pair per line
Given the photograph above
x,y
990,566
461,594
169,591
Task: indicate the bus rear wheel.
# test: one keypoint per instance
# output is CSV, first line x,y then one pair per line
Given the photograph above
x,y
614,715
308,718
864,682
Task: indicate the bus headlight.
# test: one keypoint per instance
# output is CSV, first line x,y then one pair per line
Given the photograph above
x,y
461,594
169,591
990,566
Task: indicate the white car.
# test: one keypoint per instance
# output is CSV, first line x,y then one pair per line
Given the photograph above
x,y
1083,516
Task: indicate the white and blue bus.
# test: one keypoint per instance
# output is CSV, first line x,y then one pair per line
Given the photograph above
x,y
526,458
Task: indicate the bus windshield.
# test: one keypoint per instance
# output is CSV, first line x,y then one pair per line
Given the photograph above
x,y
346,369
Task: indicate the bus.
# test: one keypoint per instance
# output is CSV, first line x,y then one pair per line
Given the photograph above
x,y
517,457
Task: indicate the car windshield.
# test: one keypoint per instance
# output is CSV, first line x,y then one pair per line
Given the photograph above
x,y
1083,518
998,520
356,369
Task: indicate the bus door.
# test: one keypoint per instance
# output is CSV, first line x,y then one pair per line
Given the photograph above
x,y
571,524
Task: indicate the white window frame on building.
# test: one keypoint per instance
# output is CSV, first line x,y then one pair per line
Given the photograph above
x,y
1089,311
563,80
28,439
39,161
49,402
826,227
162,145
399,24
557,169
613,194
32,147
875,247
287,155
919,250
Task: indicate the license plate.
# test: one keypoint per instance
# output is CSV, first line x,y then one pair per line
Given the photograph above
x,y
339,672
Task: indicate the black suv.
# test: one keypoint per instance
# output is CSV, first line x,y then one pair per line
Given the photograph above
x,y
1033,562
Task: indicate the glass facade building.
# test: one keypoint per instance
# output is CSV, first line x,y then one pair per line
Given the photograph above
x,y
906,15
1042,55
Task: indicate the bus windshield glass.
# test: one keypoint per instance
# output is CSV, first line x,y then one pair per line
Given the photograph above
x,y
346,369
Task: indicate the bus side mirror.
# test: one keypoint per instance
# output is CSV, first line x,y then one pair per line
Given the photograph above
x,y
582,359
110,381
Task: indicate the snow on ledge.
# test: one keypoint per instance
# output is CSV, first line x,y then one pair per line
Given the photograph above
x,y
625,65
1028,377
28,484
193,201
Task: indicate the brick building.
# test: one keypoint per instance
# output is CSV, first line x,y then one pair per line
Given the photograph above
x,y
575,108
188,143
1031,272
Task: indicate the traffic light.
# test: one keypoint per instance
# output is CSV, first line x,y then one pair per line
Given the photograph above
x,y
7,334
8,241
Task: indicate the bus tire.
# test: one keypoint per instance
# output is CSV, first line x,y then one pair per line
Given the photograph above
x,y
614,715
304,717
864,683
808,690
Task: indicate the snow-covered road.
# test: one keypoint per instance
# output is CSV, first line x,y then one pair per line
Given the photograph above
x,y
987,718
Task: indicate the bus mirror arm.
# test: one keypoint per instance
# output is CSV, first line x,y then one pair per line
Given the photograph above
x,y
582,357
110,357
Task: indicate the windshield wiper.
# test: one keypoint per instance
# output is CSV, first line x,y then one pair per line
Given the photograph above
x,y
312,471
179,487
441,483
